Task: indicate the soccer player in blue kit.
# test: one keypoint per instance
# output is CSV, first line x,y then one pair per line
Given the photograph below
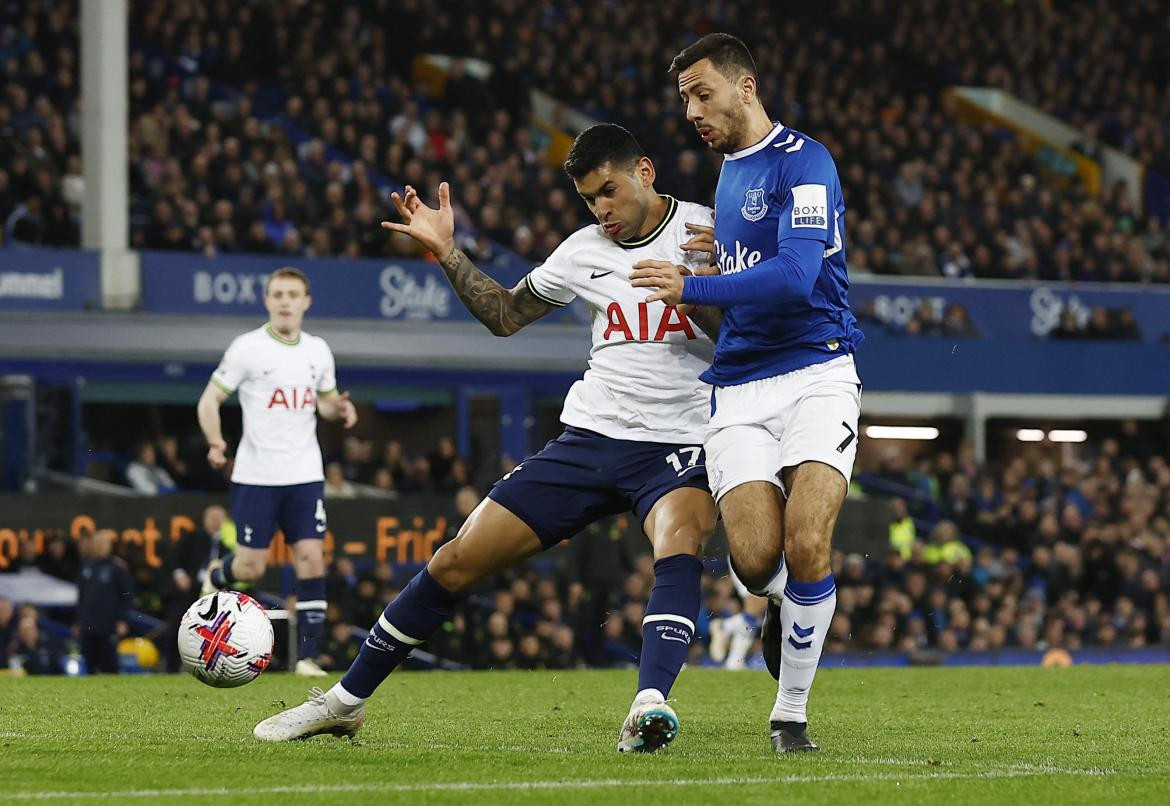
x,y
786,400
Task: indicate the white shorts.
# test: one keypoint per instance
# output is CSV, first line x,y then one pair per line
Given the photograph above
x,y
764,426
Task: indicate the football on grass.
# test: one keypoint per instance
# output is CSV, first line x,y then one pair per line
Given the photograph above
x,y
225,639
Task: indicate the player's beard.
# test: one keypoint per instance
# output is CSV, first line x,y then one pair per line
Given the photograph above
x,y
734,133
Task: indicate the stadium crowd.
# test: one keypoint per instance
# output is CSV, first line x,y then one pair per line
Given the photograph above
x,y
355,466
1038,553
268,127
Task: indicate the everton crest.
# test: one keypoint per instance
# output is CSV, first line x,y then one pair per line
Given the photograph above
x,y
754,205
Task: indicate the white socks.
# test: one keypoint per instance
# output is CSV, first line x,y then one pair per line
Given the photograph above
x,y
648,695
344,697
805,616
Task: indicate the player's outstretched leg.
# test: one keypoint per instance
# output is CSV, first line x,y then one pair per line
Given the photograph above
x,y
491,539
678,524
810,596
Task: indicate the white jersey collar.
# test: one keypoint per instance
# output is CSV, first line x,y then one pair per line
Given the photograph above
x,y
747,152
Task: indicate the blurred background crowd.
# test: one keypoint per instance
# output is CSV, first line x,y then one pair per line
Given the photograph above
x,y
1037,552
280,127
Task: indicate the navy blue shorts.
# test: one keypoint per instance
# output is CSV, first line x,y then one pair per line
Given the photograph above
x,y
581,477
299,509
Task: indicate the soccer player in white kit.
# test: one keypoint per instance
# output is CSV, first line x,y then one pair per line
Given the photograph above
x,y
285,378
633,428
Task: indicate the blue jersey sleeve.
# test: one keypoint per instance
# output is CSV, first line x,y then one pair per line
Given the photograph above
x,y
788,276
811,198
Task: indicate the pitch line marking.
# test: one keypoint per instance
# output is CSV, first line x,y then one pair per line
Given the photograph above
x,y
477,786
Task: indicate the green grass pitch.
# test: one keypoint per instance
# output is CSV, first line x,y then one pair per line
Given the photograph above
x,y
1001,735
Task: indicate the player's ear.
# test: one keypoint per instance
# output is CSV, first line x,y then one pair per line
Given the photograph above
x,y
308,302
747,89
645,171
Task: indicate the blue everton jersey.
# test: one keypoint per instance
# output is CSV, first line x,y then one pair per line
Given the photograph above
x,y
776,200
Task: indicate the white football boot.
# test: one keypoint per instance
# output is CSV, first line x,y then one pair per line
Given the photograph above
x,y
307,667
321,713
651,725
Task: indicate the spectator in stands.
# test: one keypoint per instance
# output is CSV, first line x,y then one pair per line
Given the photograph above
x,y
1069,327
336,485
340,582
172,463
7,628
561,651
903,535
339,648
394,460
33,652
104,592
383,482
60,558
419,477
918,183
530,654
945,545
144,473
441,460
355,461
957,324
1125,326
27,558
364,606
467,498
501,654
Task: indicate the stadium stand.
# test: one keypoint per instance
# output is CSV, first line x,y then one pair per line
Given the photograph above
x,y
284,146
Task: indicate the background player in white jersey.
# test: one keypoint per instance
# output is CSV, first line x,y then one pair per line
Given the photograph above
x,y
633,426
787,398
285,378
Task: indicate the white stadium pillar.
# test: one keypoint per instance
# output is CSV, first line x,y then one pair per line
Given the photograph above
x,y
104,123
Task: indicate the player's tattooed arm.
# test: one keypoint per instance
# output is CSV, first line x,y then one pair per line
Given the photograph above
x,y
708,318
503,311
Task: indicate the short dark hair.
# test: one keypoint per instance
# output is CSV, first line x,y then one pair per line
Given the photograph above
x,y
728,54
603,144
287,271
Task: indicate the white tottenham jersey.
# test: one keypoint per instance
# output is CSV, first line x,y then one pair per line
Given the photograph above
x,y
278,382
643,378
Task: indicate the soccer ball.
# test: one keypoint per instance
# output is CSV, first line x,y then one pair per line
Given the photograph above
x,y
225,639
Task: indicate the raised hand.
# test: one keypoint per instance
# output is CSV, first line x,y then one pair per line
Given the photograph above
x,y
434,229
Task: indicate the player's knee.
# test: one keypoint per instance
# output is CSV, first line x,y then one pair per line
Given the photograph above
x,y
808,555
683,539
756,569
449,567
310,567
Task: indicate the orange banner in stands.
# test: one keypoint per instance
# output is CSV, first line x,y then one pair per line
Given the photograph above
x,y
147,528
